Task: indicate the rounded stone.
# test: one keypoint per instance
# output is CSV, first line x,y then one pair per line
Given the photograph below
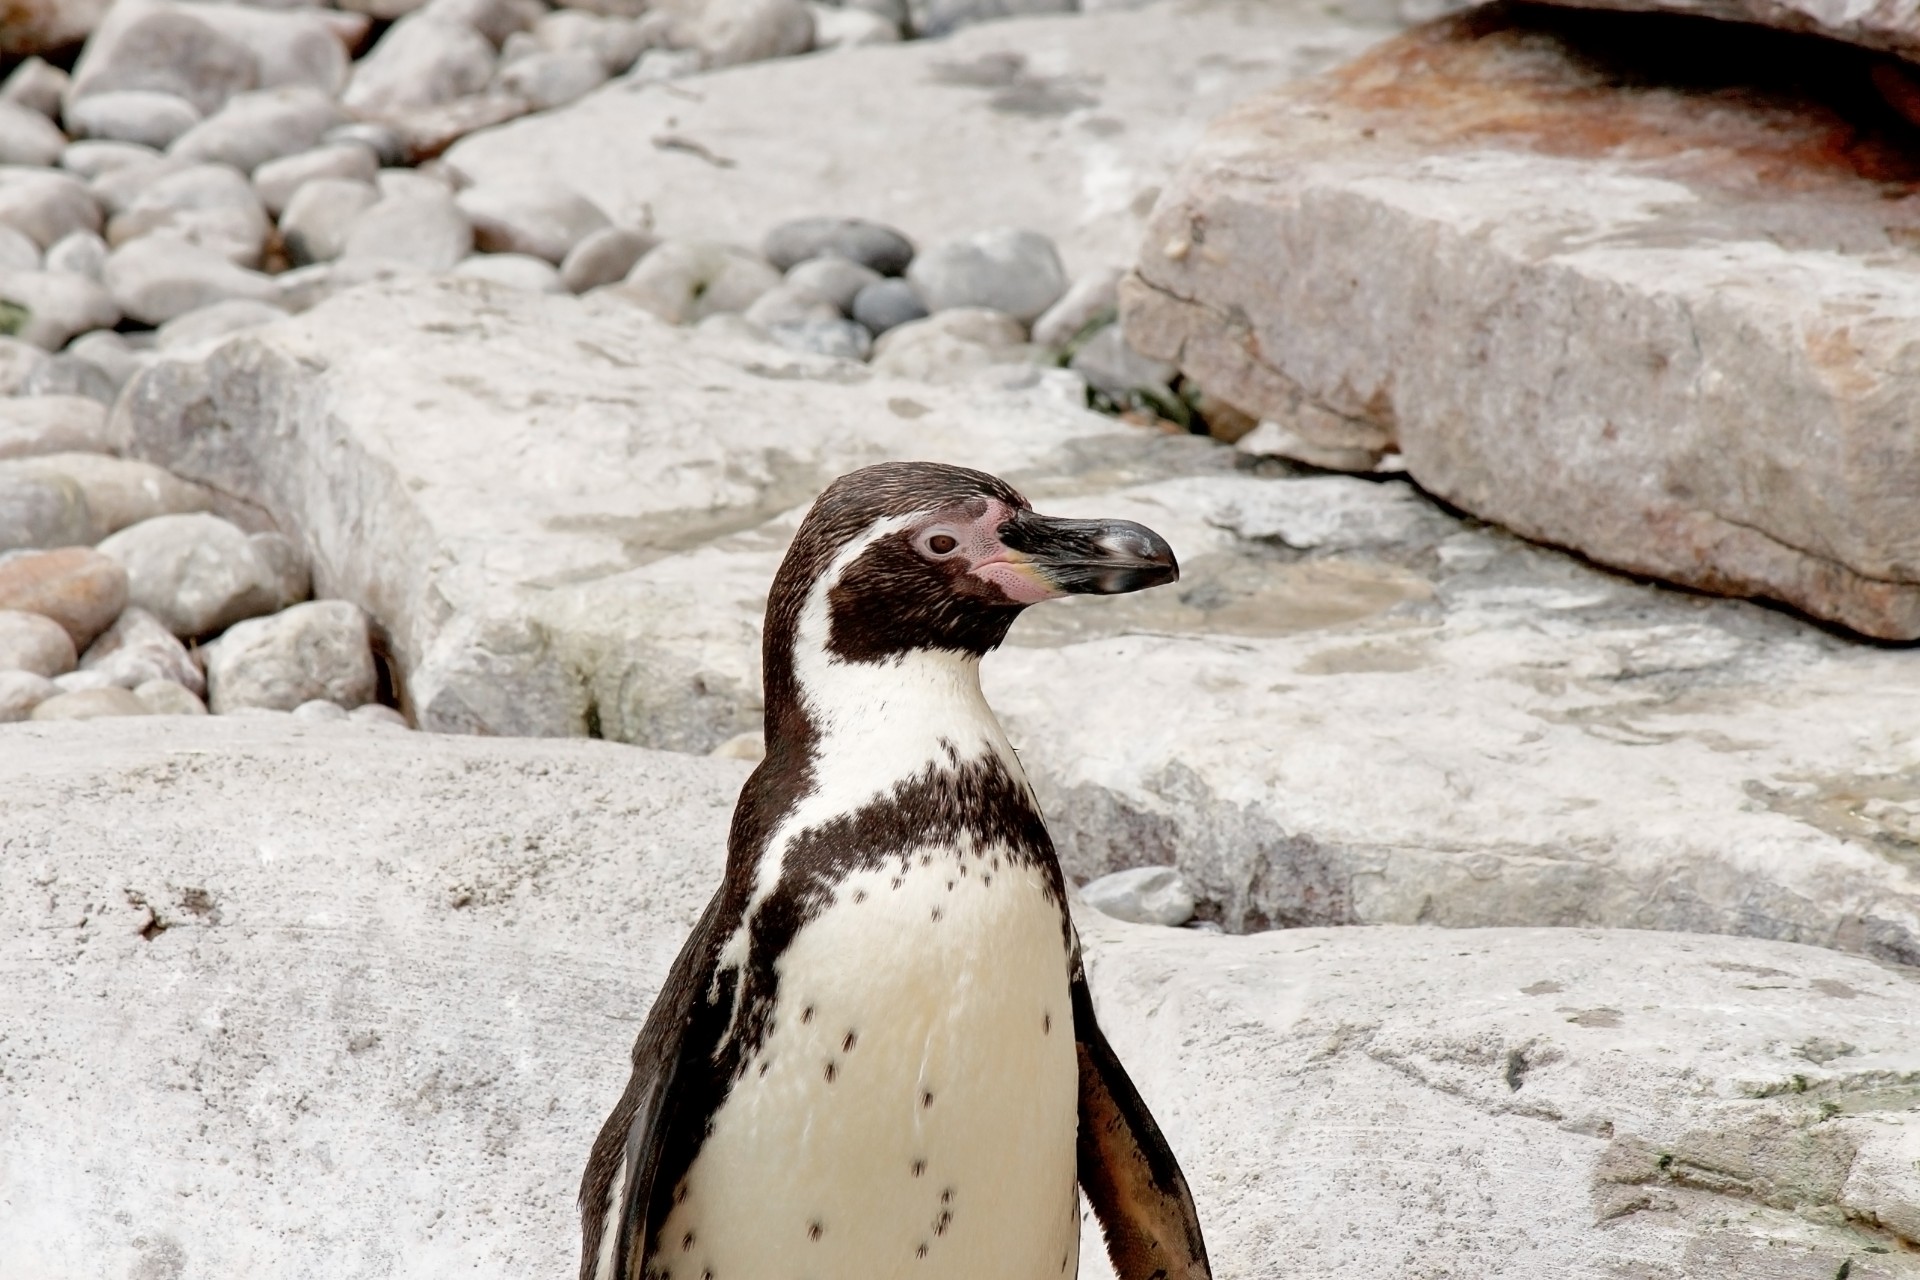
x,y
81,253
253,128
318,216
212,205
87,160
317,650
21,692
36,643
75,586
46,204
169,50
1006,269
321,711
603,256
18,252
888,304
144,116
376,713
18,361
553,78
825,336
1094,296
199,574
832,279
27,137
871,244
421,61
685,281
37,85
218,320
66,376
952,345
541,220
58,304
91,704
138,648
155,278
276,181
381,139
513,270
168,698
43,424
1142,895
425,229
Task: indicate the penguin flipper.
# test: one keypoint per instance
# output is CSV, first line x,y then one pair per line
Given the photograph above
x,y
642,1149
1126,1167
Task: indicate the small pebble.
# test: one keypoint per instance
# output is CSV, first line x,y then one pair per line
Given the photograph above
x,y
1007,269
423,228
37,85
136,649
91,704
543,221
832,279
31,642
155,278
210,205
320,709
603,256
887,304
276,181
376,713
870,244
514,270
165,698
141,116
318,216
685,281
21,692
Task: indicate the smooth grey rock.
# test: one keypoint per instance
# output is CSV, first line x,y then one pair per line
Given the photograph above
x,y
148,117
200,574
545,223
379,138
685,281
824,335
832,279
603,256
21,692
1094,295
137,649
211,205
253,128
1141,895
888,304
316,650
77,587
91,704
81,253
841,27
1006,269
18,252
31,642
37,85
170,698
117,492
553,79
28,137
45,204
88,160
163,48
319,215
18,362
1644,403
730,32
43,511
514,270
1110,364
952,345
52,424
155,278
59,305
872,245
276,181
421,61
66,375
210,323
320,711
426,229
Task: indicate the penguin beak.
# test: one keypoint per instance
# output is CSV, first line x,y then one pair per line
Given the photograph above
x,y
1083,557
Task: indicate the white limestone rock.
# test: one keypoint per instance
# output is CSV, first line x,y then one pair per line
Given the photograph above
x,y
1386,1100
321,649
214,322
37,85
139,648
19,361
80,253
155,278
1066,125
27,137
148,117
45,204
730,32
603,257
513,270
210,205
200,574
170,698
277,181
685,281
59,305
319,215
422,228
552,78
52,424
207,52
102,703
254,128
545,223
421,61
952,346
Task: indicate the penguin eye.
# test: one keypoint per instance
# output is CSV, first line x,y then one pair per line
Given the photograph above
x,y
942,544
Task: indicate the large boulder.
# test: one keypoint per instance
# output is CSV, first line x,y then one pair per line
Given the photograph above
x,y
1355,708
1609,304
363,999
986,129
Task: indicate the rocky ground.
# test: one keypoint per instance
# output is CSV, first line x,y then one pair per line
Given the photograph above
x,y
466,366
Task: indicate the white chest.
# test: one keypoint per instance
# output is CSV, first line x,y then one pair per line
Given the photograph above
x,y
913,1111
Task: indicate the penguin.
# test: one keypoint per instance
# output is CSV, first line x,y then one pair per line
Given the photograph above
x,y
875,1057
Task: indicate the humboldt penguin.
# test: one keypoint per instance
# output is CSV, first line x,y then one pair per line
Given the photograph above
x,y
875,1057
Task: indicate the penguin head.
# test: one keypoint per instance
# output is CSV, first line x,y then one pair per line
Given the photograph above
x,y
908,556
